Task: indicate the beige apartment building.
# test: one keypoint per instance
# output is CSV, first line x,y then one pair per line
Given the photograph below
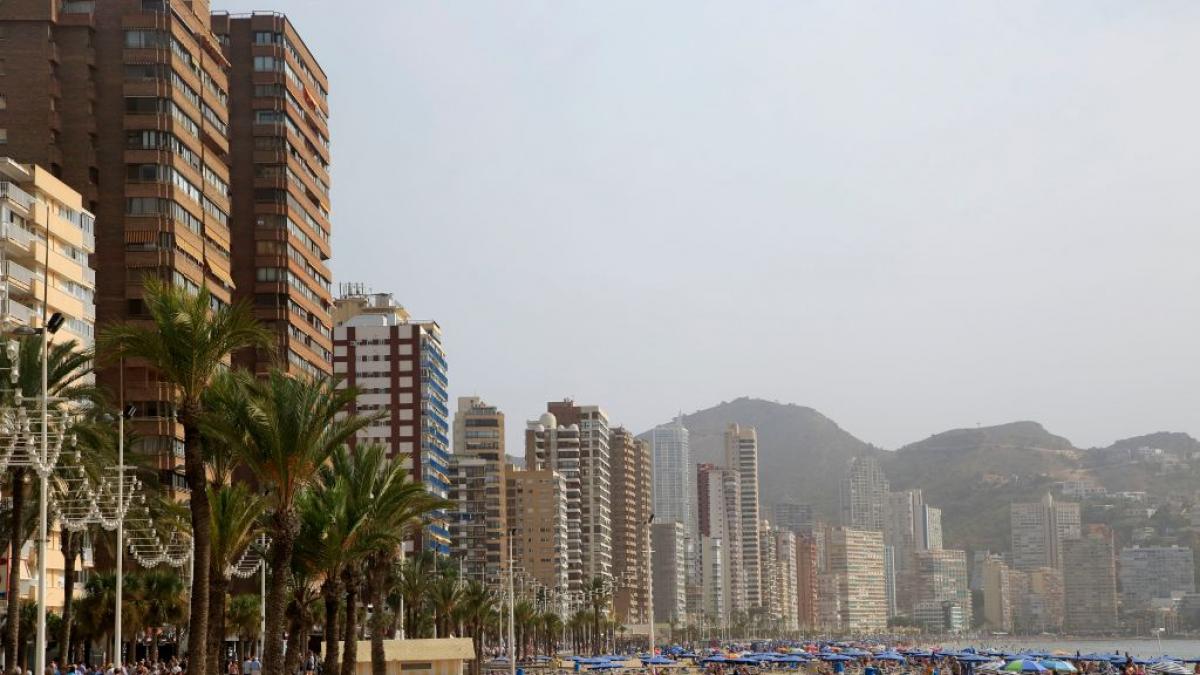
x,y
741,455
538,523
36,208
856,559
45,239
479,526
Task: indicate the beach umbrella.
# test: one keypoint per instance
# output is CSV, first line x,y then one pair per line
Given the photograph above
x,y
890,656
829,656
1170,668
992,667
973,658
1060,666
1025,666
657,661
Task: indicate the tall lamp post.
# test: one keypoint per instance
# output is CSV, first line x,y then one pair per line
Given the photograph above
x,y
126,413
512,633
49,327
650,587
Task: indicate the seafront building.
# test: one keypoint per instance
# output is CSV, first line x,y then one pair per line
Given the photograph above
x,y
479,525
719,517
741,455
668,548
674,494
279,158
631,509
1090,582
539,522
864,495
943,597
1150,573
398,366
856,563
551,446
997,595
1039,530
595,474
46,237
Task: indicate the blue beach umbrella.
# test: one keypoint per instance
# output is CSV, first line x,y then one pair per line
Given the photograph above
x,y
829,656
889,656
972,658
1025,666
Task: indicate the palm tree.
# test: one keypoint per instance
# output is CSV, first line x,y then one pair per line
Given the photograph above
x,y
67,364
524,614
284,433
478,605
188,342
242,617
236,515
162,595
598,598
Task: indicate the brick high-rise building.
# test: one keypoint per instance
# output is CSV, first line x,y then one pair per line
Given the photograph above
x,y
719,517
131,95
631,508
279,172
479,528
398,366
807,602
856,560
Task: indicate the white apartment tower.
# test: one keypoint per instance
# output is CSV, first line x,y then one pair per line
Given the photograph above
x,y
1039,530
741,455
595,481
554,447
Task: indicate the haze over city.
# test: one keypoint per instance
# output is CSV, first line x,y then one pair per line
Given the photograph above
x,y
911,217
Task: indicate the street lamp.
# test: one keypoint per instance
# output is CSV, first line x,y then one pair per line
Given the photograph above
x,y
49,327
650,586
512,633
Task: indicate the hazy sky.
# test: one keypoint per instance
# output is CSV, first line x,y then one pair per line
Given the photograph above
x,y
911,216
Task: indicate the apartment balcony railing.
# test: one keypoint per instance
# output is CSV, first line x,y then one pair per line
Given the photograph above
x,y
15,194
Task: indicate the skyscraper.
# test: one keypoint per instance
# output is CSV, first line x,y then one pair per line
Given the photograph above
x,y
1090,585
741,455
864,494
673,492
669,562
279,178
793,516
719,517
1039,530
537,514
595,483
943,597
856,561
910,526
554,447
631,507
997,595
134,95
786,576
398,366
479,527
807,602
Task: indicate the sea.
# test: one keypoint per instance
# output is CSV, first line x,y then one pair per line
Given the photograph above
x,y
1143,647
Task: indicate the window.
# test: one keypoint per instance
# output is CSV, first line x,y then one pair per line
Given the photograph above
x,y
3,136
267,63
3,101
268,116
268,90
143,39
267,38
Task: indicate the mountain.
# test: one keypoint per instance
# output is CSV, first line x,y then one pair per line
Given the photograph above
x,y
974,474
1163,440
802,454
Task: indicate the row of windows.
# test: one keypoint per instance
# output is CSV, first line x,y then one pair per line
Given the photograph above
x,y
276,196
277,221
283,274
149,105
156,206
277,144
162,173
282,248
163,140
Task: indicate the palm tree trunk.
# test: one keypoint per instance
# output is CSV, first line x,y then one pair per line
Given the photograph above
x,y
350,633
283,540
376,571
12,636
197,479
70,542
298,650
216,622
329,594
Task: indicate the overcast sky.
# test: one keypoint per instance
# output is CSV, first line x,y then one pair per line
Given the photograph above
x,y
910,216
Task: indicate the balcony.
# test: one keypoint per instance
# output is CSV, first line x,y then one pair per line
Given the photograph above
x,y
17,195
21,280
16,239
18,314
77,7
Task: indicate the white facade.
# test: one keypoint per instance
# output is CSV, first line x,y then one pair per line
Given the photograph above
x,y
741,455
